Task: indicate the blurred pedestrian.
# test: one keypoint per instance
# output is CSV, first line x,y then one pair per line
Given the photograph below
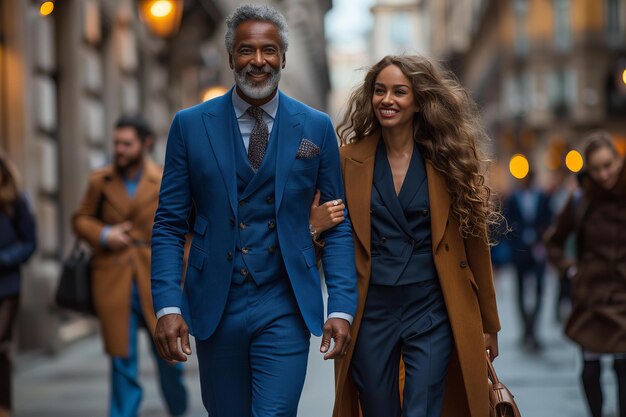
x,y
528,215
17,244
420,208
115,217
597,217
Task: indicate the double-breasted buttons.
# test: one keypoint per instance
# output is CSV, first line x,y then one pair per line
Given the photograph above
x,y
243,202
463,264
424,212
232,221
270,199
412,242
245,250
271,249
242,225
229,256
383,240
244,272
271,225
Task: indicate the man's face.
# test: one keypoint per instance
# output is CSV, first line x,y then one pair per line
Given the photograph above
x,y
127,147
256,60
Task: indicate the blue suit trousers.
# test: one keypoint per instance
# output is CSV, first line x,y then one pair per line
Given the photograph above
x,y
409,321
126,392
254,364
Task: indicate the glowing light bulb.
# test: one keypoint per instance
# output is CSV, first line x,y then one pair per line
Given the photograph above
x,y
519,166
46,8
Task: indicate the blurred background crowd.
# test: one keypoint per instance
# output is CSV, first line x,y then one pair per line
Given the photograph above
x,y
545,73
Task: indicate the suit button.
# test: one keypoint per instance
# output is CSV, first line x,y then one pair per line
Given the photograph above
x,y
463,264
242,202
232,221
229,256
424,212
271,249
271,225
383,240
242,225
243,272
245,250
412,242
270,199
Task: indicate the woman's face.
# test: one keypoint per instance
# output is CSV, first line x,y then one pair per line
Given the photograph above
x,y
393,101
604,167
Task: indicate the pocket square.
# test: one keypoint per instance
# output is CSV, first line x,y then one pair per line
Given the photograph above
x,y
307,149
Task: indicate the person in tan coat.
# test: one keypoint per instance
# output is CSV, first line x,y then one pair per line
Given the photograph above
x,y
115,218
596,217
420,211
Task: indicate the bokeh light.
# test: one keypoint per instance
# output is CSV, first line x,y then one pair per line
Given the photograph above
x,y
46,8
574,161
161,8
519,166
624,76
213,92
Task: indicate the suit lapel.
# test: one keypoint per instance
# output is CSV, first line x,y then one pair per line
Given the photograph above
x,y
358,178
383,181
220,124
290,124
439,203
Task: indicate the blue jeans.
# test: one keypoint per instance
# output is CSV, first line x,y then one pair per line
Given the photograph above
x,y
125,389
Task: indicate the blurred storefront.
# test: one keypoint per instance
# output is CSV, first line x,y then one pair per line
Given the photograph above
x,y
68,69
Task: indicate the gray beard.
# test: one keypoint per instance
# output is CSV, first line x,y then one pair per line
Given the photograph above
x,y
257,91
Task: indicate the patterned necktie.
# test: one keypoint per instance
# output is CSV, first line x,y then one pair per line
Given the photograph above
x,y
258,138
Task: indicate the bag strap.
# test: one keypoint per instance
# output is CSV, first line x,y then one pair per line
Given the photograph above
x,y
491,372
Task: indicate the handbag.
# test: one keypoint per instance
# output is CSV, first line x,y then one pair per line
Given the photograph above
x,y
501,401
74,290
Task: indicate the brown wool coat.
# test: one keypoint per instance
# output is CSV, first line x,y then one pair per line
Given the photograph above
x,y
598,318
464,269
113,272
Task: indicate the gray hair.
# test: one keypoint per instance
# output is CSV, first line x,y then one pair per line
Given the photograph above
x,y
258,12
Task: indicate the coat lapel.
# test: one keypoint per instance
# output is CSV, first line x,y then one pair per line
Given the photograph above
x,y
220,124
439,203
115,194
148,187
358,178
290,124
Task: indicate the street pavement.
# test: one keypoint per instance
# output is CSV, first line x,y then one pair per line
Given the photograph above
x,y
74,383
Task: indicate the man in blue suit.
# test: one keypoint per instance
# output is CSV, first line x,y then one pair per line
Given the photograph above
x,y
249,162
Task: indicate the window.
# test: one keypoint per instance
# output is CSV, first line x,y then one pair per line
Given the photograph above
x,y
614,20
562,26
521,37
401,30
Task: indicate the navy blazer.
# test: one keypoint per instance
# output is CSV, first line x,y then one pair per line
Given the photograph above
x,y
17,244
525,232
200,170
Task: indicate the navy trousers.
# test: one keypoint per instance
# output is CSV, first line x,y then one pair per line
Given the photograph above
x,y
409,321
126,392
255,363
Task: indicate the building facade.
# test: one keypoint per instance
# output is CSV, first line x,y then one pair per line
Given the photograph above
x,y
67,76
544,73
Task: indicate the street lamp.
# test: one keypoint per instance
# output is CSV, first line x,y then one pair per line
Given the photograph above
x,y
162,17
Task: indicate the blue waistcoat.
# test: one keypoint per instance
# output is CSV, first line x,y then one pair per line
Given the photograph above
x,y
257,253
401,236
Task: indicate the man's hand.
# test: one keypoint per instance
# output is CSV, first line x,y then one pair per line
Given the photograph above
x,y
338,330
118,239
491,344
326,216
169,329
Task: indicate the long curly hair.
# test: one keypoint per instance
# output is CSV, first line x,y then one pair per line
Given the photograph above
x,y
448,130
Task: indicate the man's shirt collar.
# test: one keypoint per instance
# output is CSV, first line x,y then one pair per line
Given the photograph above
x,y
241,106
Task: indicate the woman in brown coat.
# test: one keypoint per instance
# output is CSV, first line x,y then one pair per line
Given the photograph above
x,y
596,215
420,211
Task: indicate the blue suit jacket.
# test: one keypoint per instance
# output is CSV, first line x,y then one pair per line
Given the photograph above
x,y
200,171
